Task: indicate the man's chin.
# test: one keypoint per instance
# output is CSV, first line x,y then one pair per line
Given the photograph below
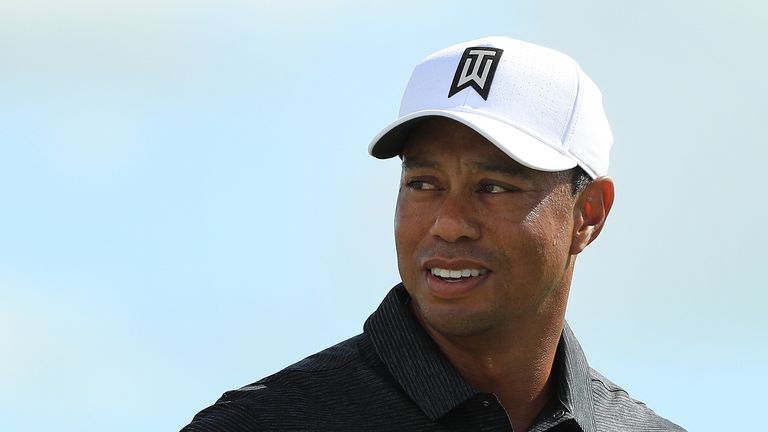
x,y
454,321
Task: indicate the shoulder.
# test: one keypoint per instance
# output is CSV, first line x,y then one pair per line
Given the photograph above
x,y
294,398
615,409
318,373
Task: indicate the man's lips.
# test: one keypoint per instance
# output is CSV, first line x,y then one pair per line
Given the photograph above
x,y
453,278
457,274
454,267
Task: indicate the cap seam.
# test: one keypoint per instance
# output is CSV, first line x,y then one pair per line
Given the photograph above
x,y
575,108
574,119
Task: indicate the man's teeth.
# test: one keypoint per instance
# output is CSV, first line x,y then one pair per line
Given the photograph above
x,y
456,274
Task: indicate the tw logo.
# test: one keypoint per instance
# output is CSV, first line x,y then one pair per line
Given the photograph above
x,y
476,69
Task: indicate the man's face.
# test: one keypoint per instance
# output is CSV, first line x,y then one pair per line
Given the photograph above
x,y
482,241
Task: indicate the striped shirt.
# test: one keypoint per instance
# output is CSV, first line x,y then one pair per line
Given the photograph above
x,y
393,377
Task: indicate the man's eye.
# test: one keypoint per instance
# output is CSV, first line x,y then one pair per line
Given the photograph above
x,y
421,185
493,188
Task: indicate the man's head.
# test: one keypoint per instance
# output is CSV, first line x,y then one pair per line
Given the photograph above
x,y
492,210
483,241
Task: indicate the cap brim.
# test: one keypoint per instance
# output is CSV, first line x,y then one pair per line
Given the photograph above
x,y
517,144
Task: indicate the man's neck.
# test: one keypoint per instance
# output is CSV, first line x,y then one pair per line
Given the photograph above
x,y
517,371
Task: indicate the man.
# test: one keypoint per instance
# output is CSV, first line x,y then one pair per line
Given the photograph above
x,y
504,148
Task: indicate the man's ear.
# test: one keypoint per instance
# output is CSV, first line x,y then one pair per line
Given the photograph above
x,y
592,207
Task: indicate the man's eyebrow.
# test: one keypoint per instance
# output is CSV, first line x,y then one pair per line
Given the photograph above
x,y
514,169
412,163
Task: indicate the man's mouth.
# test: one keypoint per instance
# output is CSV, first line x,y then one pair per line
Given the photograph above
x,y
457,274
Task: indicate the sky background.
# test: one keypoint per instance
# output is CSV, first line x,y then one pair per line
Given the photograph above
x,y
188,205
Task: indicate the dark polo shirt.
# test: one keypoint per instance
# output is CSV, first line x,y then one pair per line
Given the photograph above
x,y
394,378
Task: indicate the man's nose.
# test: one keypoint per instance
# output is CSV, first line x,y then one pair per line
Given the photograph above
x,y
456,220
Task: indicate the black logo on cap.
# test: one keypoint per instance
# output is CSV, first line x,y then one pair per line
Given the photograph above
x,y
476,69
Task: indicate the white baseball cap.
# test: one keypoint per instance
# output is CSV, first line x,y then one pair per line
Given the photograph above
x,y
532,102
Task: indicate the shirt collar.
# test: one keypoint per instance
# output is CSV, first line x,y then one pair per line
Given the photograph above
x,y
431,381
574,383
413,358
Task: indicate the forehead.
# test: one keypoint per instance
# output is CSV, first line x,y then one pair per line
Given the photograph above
x,y
438,140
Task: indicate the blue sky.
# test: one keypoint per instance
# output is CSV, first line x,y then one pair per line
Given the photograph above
x,y
188,204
